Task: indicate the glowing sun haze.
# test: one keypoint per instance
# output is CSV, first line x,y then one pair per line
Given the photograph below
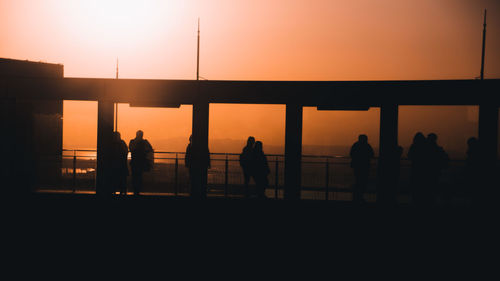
x,y
253,40
267,40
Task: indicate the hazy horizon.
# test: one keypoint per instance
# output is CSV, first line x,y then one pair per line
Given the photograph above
x,y
456,124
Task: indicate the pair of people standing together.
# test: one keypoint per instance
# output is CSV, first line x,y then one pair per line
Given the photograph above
x,y
141,162
253,161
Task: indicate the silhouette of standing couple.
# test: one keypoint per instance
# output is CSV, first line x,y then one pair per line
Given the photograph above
x,y
253,162
142,161
428,160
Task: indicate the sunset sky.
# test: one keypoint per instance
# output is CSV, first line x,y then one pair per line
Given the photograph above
x,y
257,40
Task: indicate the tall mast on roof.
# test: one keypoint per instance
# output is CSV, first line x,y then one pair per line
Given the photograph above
x,y
484,46
116,104
198,54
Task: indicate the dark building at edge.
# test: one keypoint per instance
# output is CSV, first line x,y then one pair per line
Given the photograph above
x,y
31,142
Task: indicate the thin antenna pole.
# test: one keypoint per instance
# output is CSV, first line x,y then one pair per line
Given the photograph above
x,y
198,54
484,46
116,104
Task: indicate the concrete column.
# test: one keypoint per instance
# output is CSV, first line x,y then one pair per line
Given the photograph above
x,y
293,151
488,141
24,165
9,146
105,115
388,164
200,151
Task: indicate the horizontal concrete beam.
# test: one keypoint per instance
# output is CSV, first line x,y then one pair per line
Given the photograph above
x,y
305,93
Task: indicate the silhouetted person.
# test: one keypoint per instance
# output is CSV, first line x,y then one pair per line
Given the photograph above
x,y
260,169
417,154
140,149
119,168
473,154
438,160
189,161
361,155
246,162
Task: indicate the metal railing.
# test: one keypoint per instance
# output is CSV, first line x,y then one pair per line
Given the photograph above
x,y
323,177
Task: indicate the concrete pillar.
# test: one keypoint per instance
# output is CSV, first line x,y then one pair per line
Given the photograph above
x,y
488,141
198,172
293,151
23,170
9,146
388,164
105,115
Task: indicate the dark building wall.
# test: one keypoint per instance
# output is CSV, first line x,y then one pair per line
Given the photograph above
x,y
20,68
31,131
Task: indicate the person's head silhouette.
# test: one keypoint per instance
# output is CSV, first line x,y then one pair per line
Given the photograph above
x,y
258,146
363,139
432,138
250,141
116,136
472,142
139,134
419,138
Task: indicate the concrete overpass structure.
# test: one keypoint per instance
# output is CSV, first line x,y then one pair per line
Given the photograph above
x,y
18,87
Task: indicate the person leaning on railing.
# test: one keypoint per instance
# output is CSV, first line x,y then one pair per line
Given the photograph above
x,y
119,169
261,169
361,154
141,151
246,163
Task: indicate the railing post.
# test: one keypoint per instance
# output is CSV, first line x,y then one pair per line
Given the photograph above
x,y
74,171
226,176
327,178
276,179
176,176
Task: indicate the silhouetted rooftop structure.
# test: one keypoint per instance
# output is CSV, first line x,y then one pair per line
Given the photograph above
x,y
44,82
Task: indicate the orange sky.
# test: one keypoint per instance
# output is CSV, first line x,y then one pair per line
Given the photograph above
x,y
254,40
